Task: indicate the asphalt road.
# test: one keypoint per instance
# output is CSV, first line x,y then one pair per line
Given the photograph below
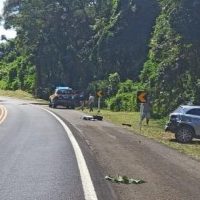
x,y
38,161
169,175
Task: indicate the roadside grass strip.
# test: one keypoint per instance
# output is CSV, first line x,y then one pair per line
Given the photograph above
x,y
3,114
88,187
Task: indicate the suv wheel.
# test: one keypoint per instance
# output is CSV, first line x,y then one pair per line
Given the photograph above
x,y
184,134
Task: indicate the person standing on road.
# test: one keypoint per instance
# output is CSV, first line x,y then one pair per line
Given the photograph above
x,y
145,109
91,102
82,100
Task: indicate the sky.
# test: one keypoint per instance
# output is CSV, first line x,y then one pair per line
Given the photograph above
x,y
8,33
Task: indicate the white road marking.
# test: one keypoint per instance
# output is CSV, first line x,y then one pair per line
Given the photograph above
x,y
4,114
87,184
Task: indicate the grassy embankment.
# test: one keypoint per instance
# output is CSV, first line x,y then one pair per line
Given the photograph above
x,y
155,130
19,94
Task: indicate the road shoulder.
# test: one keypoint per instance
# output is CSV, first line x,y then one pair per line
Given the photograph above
x,y
121,152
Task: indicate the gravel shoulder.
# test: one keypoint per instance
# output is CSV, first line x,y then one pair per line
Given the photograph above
x,y
168,173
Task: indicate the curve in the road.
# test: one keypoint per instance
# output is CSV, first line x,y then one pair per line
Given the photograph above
x,y
87,184
3,114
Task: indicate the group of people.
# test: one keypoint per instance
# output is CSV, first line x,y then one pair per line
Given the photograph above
x,y
145,108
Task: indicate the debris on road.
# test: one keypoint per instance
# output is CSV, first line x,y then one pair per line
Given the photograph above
x,y
93,118
88,117
98,117
124,180
124,124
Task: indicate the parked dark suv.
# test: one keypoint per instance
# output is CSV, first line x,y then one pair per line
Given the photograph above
x,y
185,123
63,96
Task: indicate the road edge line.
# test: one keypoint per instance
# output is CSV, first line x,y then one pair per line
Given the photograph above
x,y
88,187
4,114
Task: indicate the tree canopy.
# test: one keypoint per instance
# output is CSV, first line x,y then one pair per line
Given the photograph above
x,y
153,43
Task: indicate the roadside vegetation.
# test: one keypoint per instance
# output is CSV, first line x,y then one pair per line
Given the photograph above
x,y
16,94
81,44
19,94
155,130
117,47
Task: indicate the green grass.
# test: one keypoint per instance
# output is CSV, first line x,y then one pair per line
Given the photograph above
x,y
19,94
155,130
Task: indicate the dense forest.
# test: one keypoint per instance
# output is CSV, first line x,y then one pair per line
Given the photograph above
x,y
117,46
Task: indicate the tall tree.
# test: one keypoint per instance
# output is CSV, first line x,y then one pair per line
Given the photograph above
x,y
53,33
172,70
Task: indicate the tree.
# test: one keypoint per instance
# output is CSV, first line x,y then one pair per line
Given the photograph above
x,y
54,34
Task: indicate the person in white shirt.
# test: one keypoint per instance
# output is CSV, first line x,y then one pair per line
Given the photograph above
x,y
91,102
145,109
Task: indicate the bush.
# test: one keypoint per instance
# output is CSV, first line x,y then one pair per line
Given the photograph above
x,y
122,102
3,85
15,85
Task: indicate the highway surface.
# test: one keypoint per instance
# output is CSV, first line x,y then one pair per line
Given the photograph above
x,y
169,175
40,159
43,157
